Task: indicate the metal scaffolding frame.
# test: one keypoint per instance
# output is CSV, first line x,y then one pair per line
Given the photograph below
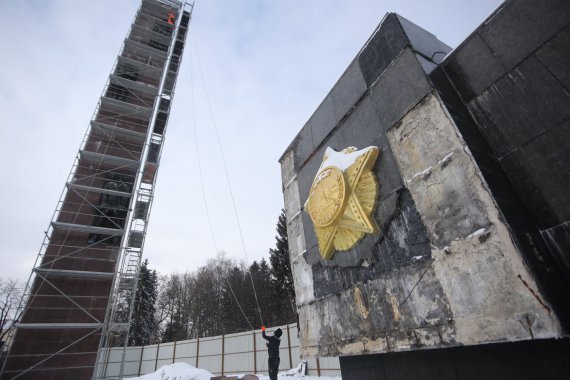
x,y
80,294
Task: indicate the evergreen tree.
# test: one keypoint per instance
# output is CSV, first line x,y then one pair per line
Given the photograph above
x,y
237,301
261,275
143,325
281,276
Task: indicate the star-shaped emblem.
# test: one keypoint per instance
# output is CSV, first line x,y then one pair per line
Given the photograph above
x,y
343,198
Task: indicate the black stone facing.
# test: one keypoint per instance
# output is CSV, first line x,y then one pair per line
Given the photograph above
x,y
473,68
303,146
520,27
525,360
540,173
558,241
323,120
349,89
555,56
387,172
383,49
427,65
399,89
384,45
390,38
387,209
520,106
362,127
403,242
312,255
424,42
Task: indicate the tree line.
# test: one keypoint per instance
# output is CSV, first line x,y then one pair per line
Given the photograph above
x,y
222,297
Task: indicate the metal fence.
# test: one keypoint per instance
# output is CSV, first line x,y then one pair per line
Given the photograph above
x,y
221,355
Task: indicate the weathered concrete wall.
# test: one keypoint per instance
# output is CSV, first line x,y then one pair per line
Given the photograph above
x,y
491,294
512,77
445,269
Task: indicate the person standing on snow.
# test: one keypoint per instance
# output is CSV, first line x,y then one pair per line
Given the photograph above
x,y
273,350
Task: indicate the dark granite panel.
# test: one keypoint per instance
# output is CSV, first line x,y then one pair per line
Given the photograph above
x,y
423,41
558,241
427,65
526,360
384,45
472,67
354,257
387,209
323,120
310,238
400,88
555,55
459,112
362,126
303,146
403,242
347,91
306,174
540,173
388,172
522,26
522,105
405,239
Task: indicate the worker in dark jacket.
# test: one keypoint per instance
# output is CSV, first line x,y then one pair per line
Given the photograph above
x,y
273,350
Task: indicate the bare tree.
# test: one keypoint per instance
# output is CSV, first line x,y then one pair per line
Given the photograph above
x,y
10,294
174,307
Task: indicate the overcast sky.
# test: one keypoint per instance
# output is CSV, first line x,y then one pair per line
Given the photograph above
x,y
266,65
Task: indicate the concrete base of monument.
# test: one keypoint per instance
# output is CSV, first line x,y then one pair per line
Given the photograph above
x,y
523,360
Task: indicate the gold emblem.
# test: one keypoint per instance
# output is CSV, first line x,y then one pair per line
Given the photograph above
x,y
343,198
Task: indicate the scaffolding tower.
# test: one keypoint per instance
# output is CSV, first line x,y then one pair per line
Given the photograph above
x,y
79,297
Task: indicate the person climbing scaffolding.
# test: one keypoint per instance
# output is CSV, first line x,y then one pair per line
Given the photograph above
x,y
273,343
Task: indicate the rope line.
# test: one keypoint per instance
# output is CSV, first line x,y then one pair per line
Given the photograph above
x,y
195,50
197,149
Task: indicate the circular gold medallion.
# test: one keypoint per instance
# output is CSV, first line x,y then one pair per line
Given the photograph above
x,y
327,199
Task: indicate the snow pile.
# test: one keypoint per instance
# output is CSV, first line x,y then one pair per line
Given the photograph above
x,y
184,371
341,159
177,371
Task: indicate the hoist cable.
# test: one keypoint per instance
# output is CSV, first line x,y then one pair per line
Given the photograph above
x,y
197,149
195,50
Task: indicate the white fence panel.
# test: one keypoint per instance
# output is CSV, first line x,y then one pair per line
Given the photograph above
x,y
238,363
210,346
211,363
244,352
166,351
149,352
131,368
186,350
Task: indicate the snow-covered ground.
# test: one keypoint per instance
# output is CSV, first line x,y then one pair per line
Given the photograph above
x,y
184,371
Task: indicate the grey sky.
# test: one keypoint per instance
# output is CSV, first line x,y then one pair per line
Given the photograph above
x,y
267,66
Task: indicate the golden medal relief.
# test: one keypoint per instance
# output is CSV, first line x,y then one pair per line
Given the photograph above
x,y
342,199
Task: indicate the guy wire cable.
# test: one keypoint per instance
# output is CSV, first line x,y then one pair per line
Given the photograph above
x,y
203,187
226,173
